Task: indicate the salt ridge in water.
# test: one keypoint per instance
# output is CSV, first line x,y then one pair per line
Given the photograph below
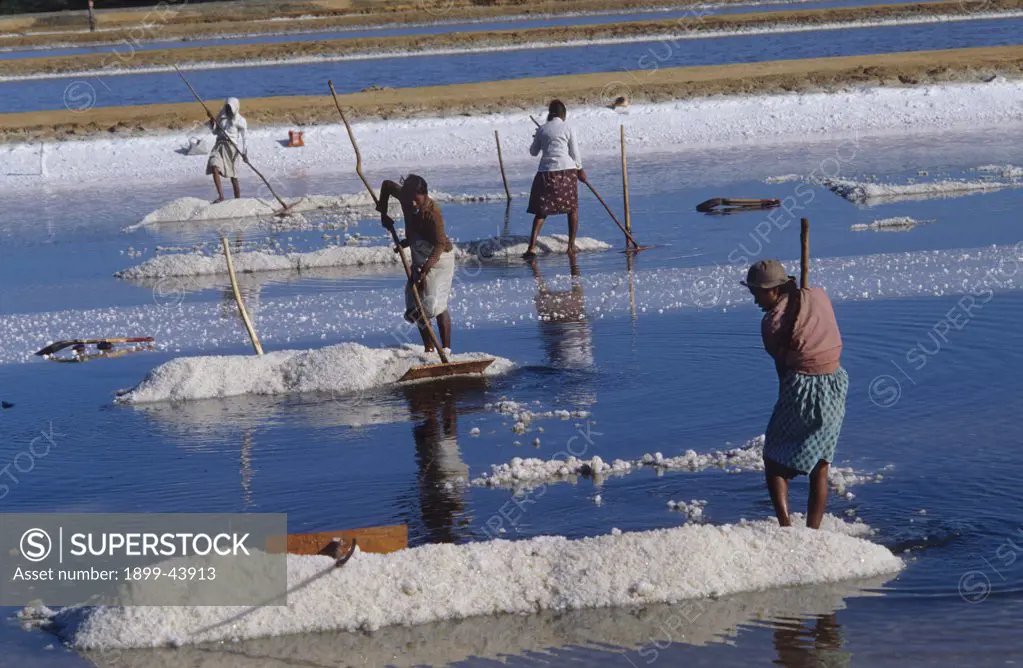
x,y
897,223
769,29
199,264
444,581
863,192
192,209
340,369
182,324
523,474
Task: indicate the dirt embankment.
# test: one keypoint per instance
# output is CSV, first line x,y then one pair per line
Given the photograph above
x,y
822,74
173,19
128,59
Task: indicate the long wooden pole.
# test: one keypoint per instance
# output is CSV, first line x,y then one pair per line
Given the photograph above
x,y
804,260
222,133
423,320
625,186
628,235
238,298
500,161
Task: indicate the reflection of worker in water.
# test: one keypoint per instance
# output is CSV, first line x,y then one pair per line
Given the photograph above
x,y
800,646
564,328
435,414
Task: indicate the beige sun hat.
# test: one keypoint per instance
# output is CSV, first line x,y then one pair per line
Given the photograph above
x,y
767,274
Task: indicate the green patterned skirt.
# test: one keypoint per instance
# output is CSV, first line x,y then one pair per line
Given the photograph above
x,y
807,420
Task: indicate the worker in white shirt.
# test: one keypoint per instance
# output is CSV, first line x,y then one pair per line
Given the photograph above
x,y
229,124
556,184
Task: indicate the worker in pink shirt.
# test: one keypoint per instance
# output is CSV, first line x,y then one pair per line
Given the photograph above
x,y
801,334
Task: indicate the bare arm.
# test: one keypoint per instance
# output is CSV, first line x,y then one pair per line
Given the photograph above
x,y
388,189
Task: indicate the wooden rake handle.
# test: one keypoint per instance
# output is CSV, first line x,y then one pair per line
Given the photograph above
x,y
804,259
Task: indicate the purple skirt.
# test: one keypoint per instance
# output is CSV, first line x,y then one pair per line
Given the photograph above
x,y
554,192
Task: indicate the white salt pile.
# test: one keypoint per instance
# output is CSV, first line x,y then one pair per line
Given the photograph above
x,y
862,192
201,264
193,209
897,223
693,510
446,582
339,369
522,473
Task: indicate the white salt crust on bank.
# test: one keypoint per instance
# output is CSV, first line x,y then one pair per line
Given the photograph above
x,y
481,250
777,28
440,582
652,128
345,368
523,474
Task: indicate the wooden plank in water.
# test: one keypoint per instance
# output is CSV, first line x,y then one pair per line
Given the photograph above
x,y
381,540
449,369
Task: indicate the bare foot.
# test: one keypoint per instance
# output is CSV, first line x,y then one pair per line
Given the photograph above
x,y
218,200
529,254
572,250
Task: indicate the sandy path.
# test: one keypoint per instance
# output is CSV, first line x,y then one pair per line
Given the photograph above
x,y
913,68
175,21
127,59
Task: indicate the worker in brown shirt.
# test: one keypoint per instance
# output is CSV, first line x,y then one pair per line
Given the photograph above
x,y
800,332
433,257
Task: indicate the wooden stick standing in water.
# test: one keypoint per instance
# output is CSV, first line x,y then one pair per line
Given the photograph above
x,y
625,190
804,259
500,161
238,298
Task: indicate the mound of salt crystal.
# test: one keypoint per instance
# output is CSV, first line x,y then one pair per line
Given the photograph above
x,y
341,368
445,582
200,264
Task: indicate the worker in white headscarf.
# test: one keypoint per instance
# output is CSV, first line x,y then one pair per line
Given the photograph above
x,y
230,129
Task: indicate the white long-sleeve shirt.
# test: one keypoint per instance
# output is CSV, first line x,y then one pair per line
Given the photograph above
x,y
555,139
235,128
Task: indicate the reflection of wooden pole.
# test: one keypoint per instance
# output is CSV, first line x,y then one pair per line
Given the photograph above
x,y
632,287
804,260
625,188
507,220
500,161
238,297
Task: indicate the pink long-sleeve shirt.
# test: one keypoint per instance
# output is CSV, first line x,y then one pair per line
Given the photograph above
x,y
815,348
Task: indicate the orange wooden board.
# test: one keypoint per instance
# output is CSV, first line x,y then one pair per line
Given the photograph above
x,y
371,539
